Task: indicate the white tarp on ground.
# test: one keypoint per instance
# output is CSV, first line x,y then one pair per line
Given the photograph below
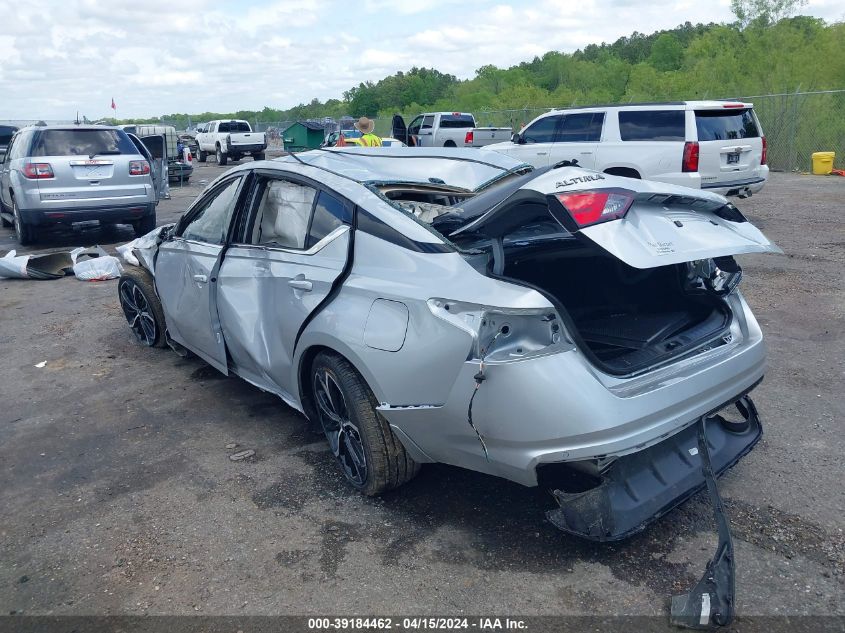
x,y
88,264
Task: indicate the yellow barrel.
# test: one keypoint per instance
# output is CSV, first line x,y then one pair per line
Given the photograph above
x,y
823,162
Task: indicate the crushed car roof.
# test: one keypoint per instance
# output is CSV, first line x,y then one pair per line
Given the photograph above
x,y
467,169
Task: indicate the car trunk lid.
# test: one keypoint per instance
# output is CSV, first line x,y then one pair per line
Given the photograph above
x,y
662,224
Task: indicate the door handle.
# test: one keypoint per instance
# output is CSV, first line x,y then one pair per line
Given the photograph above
x,y
586,153
201,278
542,153
301,284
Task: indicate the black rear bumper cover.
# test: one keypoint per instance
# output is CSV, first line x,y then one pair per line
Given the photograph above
x,y
640,488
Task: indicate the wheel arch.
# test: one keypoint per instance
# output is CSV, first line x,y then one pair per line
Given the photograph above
x,y
303,370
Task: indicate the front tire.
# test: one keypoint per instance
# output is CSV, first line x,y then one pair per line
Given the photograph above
x,y
25,233
370,456
141,306
202,156
221,158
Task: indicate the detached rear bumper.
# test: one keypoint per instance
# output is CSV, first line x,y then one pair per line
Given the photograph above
x,y
641,487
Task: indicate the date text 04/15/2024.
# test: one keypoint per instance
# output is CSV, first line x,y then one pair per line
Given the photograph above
x,y
429,623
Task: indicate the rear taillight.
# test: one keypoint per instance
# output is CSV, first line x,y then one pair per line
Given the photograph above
x,y
188,156
139,168
594,207
765,147
690,162
36,171
468,138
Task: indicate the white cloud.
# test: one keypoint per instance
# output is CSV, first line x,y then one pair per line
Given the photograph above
x,y
160,56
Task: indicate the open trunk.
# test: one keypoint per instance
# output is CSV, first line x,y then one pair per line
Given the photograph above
x,y
627,319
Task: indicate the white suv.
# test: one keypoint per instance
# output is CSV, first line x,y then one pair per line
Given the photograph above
x,y
714,145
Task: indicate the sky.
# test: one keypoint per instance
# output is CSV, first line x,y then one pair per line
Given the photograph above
x,y
162,56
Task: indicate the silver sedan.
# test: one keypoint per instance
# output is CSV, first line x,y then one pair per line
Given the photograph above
x,y
555,327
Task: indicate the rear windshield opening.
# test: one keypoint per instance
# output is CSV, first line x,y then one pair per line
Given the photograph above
x,y
82,143
456,121
725,125
651,125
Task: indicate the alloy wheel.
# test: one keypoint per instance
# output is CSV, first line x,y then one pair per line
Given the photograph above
x,y
343,435
138,313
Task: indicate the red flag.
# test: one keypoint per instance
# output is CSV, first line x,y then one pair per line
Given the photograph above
x,y
113,106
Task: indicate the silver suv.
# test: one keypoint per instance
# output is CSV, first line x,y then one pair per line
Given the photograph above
x,y
67,174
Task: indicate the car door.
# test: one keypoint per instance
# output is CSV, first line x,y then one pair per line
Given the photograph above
x,y
414,131
154,149
535,142
577,138
398,129
186,272
425,136
294,246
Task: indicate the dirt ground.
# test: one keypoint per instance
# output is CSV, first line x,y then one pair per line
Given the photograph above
x,y
118,495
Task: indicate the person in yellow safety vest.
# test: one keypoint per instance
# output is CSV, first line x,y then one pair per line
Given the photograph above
x,y
366,126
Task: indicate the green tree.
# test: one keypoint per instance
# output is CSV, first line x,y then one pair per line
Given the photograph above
x,y
764,12
666,53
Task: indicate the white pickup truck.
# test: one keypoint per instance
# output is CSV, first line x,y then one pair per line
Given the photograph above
x,y
447,129
230,139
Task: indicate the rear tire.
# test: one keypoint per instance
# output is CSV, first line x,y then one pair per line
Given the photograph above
x,y
25,233
449,144
144,225
141,306
370,456
221,158
259,156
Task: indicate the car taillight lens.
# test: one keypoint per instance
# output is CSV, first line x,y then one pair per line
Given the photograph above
x,y
139,168
765,147
594,207
468,138
35,171
690,162
189,156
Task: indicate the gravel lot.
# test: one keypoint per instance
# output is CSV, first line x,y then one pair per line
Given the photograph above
x,y
119,496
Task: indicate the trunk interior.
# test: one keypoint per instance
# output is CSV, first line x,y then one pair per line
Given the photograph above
x,y
629,319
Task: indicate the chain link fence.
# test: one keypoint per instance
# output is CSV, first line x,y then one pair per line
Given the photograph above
x,y
799,123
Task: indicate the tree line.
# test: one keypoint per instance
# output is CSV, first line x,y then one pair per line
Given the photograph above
x,y
765,51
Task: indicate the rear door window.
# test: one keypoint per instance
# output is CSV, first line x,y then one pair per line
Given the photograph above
x,y
725,125
581,128
652,125
427,122
82,142
456,121
329,213
542,131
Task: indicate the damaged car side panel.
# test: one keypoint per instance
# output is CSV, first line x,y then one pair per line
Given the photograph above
x,y
275,281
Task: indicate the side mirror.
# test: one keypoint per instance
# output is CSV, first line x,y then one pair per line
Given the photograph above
x,y
516,138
